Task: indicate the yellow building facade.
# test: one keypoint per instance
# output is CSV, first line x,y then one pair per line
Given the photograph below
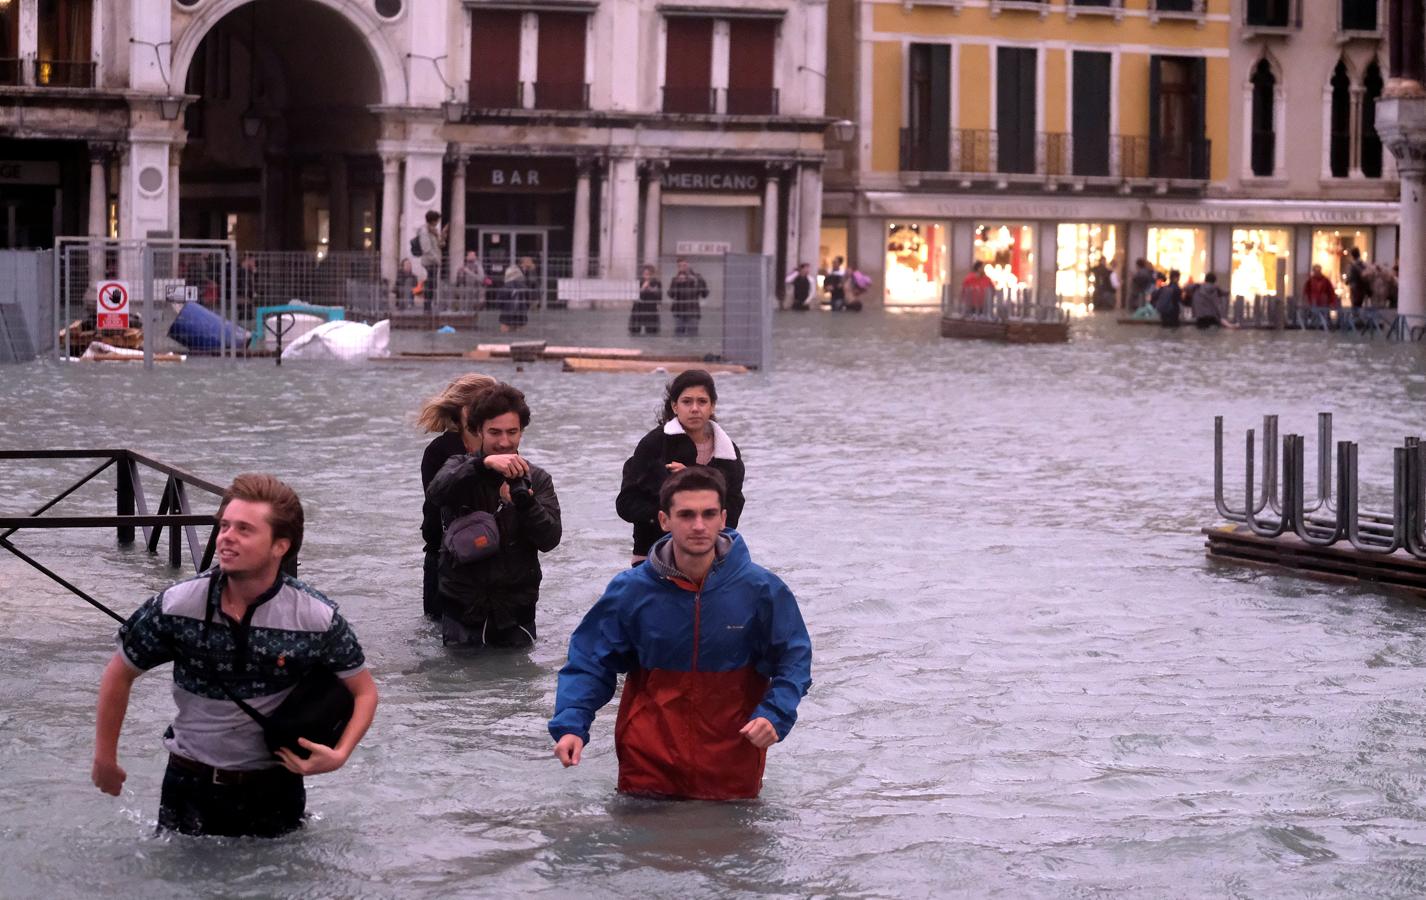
x,y
1045,140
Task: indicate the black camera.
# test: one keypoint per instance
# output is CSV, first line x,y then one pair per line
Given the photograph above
x,y
520,485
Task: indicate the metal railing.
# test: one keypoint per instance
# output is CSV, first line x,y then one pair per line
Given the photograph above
x,y
496,95
12,71
132,513
1000,305
1277,504
693,100
979,151
70,73
750,101
558,95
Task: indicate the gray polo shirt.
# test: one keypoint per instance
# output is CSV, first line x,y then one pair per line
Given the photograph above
x,y
290,630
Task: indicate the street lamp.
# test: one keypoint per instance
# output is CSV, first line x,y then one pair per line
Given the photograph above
x,y
168,107
843,130
454,110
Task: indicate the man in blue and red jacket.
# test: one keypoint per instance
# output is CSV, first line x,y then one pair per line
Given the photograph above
x,y
716,655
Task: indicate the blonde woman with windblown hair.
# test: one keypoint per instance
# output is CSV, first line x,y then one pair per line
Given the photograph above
x,y
444,415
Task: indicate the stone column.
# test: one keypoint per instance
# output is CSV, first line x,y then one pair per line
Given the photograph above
x,y
580,248
390,215
1401,122
456,246
653,209
98,191
623,190
810,214
770,217
173,153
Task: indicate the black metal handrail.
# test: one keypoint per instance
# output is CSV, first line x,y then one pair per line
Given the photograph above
x,y
496,95
12,71
561,95
132,512
71,73
750,101
695,100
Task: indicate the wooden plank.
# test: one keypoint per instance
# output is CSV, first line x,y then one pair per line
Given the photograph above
x,y
1340,562
672,367
114,357
560,352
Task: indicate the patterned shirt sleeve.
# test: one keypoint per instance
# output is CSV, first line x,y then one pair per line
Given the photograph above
x,y
340,651
145,638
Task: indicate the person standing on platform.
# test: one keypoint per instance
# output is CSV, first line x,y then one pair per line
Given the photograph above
x,y
242,629
687,435
644,317
802,284
1209,303
431,241
1141,283
835,285
714,651
1358,285
687,290
976,290
444,415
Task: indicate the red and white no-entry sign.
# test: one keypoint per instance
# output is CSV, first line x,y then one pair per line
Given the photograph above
x,y
113,306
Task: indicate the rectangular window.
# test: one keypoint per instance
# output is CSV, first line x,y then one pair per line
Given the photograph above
x,y
752,43
1015,109
495,59
1358,15
64,56
928,144
1090,125
688,66
1175,5
10,43
1177,148
559,64
1269,13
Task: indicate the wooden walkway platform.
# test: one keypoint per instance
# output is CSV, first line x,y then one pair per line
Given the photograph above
x,y
671,366
1340,563
1011,332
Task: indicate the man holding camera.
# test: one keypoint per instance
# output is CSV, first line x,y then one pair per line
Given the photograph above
x,y
489,593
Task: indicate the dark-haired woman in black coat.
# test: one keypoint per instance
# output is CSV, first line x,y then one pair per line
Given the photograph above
x,y
686,436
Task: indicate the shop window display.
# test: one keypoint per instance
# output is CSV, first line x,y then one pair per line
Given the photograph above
x,y
1079,248
1185,249
917,258
1262,262
1008,252
1331,249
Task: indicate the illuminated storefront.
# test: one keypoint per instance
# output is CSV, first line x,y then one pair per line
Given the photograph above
x,y
1079,247
1262,262
1332,248
917,263
1008,252
1185,249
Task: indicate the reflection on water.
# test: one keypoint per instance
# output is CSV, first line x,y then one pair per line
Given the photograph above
x,y
1028,679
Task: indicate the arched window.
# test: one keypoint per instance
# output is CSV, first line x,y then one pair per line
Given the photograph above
x,y
1264,140
1340,150
1371,141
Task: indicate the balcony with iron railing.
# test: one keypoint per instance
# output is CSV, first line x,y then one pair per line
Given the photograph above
x,y
1193,10
496,95
68,73
750,101
689,100
12,71
977,155
1113,8
572,96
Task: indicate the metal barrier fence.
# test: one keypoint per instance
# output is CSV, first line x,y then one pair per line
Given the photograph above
x,y
26,298
1278,503
1001,305
709,307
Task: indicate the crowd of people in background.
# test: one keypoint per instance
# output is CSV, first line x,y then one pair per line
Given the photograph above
x,y
842,285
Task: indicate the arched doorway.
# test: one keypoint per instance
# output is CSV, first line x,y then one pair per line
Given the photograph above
x,y
281,144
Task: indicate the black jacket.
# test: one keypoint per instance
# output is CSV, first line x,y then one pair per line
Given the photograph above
x,y
644,474
505,587
441,448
